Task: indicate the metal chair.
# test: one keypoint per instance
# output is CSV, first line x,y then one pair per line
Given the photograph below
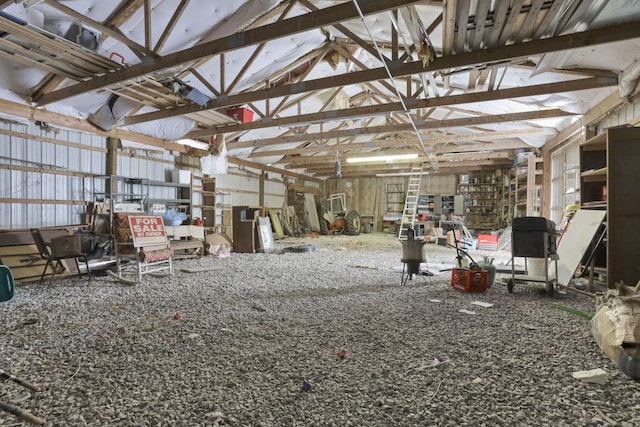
x,y
45,253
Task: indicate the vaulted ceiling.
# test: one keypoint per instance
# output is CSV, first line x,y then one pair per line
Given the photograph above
x,y
461,84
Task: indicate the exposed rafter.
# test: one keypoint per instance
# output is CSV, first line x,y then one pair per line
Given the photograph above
x,y
469,59
382,109
433,124
298,24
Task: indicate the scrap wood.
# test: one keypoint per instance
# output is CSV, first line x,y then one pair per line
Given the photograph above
x,y
200,269
482,304
606,418
20,413
596,376
365,266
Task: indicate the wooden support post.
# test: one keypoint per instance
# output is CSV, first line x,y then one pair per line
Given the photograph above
x,y
111,166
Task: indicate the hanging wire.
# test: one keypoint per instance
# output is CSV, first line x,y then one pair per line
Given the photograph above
x,y
384,63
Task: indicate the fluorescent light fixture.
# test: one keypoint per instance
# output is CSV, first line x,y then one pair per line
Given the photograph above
x,y
399,174
193,143
390,158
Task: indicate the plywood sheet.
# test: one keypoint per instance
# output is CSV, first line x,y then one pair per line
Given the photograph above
x,y
26,264
312,212
264,234
575,242
275,220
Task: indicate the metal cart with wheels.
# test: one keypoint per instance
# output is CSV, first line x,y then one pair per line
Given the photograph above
x,y
533,237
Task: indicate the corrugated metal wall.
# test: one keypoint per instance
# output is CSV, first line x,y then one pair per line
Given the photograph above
x,y
46,175
42,174
628,114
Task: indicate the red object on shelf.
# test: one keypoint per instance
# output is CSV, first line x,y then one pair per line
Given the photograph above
x,y
243,115
469,280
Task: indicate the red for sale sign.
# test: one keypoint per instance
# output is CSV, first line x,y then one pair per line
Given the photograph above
x,y
147,230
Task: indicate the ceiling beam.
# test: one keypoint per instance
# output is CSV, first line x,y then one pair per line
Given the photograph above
x,y
123,12
396,143
432,124
376,168
147,25
260,166
301,162
344,30
411,103
481,57
37,114
450,160
172,23
139,50
407,171
327,16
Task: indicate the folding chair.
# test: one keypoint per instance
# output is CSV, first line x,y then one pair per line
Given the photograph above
x,y
55,261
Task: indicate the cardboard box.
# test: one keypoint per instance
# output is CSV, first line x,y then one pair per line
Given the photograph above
x,y
181,176
66,245
616,328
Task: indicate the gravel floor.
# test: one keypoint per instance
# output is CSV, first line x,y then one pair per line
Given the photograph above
x,y
258,337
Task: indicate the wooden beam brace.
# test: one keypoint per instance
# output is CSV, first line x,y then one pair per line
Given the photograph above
x,y
397,143
434,124
297,162
147,24
479,57
397,165
260,166
327,16
406,171
37,114
413,104
344,30
139,50
171,25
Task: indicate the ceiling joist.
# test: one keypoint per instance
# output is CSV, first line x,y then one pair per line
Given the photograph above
x,y
328,16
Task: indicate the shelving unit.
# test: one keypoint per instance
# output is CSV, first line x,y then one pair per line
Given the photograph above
x,y
204,201
426,204
114,194
447,204
395,199
526,187
607,163
172,195
481,202
505,209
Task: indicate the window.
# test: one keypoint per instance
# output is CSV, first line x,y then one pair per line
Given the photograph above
x,y
565,180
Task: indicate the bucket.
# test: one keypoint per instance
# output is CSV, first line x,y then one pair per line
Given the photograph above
x,y
412,250
487,264
7,285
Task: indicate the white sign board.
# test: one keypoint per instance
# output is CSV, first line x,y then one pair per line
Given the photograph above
x,y
575,241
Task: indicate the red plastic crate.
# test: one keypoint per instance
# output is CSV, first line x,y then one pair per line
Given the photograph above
x,y
469,280
244,115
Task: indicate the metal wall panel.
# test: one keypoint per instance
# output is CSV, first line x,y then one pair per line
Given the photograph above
x,y
45,185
